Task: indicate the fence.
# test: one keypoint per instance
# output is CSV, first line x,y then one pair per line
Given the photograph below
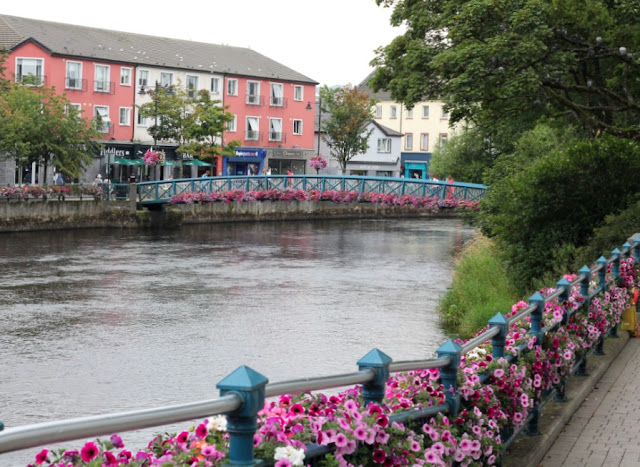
x,y
243,392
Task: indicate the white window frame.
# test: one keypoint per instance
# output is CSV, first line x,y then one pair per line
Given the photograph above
x,y
275,135
378,111
166,79
394,112
442,139
143,78
257,130
425,111
124,116
142,121
106,121
384,145
232,87
39,69
253,98
125,76
274,99
298,93
297,123
232,125
214,87
424,138
445,114
77,81
192,91
78,107
408,141
102,85
409,113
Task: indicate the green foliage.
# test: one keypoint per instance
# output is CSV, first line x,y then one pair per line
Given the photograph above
x,y
349,111
38,125
497,61
480,289
538,214
464,157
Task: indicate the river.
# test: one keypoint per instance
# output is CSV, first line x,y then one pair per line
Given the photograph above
x,y
98,321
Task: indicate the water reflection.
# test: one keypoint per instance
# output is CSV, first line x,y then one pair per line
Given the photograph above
x,y
96,321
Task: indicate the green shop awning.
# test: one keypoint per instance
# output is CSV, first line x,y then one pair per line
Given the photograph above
x,y
123,161
138,161
197,162
172,163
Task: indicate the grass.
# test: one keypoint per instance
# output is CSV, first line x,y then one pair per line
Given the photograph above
x,y
480,289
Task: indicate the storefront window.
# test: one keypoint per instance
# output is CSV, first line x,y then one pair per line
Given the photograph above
x,y
282,166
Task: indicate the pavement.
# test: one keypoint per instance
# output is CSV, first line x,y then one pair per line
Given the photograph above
x,y
599,425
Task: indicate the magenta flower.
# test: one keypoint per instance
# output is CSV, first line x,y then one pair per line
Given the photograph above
x,y
360,433
379,456
42,456
116,441
201,431
283,463
89,451
341,440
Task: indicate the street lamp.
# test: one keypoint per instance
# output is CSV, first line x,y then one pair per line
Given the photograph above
x,y
319,103
154,93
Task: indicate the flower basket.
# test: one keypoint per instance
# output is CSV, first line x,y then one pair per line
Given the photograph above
x,y
153,158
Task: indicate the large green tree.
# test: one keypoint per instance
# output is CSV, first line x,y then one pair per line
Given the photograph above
x,y
497,61
349,110
38,125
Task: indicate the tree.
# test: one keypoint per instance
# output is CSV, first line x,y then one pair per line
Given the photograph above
x,y
38,125
496,61
464,157
349,111
169,110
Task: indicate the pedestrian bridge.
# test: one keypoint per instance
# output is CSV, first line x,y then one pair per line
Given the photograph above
x,y
160,192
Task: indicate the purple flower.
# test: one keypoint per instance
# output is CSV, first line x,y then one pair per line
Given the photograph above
x,y
116,441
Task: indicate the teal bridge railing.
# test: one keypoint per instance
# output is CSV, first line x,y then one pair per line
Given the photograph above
x,y
160,192
243,392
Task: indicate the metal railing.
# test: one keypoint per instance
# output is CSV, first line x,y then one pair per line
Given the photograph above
x,y
243,392
162,191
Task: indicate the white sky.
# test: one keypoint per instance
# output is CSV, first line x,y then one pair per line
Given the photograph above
x,y
330,41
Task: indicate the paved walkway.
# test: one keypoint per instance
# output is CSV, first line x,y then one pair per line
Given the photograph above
x,y
605,430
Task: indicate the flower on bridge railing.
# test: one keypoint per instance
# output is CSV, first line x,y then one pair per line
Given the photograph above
x,y
152,157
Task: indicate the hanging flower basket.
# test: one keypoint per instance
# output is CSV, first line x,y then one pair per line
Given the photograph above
x,y
153,158
318,162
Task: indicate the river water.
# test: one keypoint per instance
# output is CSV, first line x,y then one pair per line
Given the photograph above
x,y
98,321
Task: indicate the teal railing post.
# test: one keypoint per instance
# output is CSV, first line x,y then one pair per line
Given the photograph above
x,y
536,330
242,423
373,391
602,286
615,271
449,374
585,272
563,284
498,342
635,249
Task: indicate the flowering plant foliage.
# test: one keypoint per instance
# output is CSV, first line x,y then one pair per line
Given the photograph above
x,y
318,162
152,158
496,396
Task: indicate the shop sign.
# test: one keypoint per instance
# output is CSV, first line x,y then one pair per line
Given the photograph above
x,y
249,153
114,152
288,153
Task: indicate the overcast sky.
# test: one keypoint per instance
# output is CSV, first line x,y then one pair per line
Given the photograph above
x,y
330,41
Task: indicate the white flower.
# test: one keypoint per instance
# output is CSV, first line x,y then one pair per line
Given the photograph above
x,y
293,455
217,423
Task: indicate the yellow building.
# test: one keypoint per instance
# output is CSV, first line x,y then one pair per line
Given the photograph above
x,y
424,128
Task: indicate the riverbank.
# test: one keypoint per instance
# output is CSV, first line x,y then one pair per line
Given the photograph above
x,y
33,215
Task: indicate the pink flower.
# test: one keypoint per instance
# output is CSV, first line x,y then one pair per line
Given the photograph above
x,y
283,463
116,441
89,451
341,440
201,431
42,456
379,456
360,433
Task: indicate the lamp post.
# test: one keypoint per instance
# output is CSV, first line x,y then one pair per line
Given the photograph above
x,y
154,93
319,107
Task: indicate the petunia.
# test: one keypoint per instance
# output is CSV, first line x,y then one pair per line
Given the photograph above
x,y
116,441
201,431
379,456
341,440
42,456
89,451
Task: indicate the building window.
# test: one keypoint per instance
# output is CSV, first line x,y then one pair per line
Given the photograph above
x,y
378,111
297,127
166,80
232,87
125,116
384,144
253,92
215,85
78,108
408,141
73,80
275,129
425,111
424,142
232,124
143,78
253,132
101,114
298,93
101,83
142,121
30,71
277,98
192,86
409,113
394,111
125,76
445,114
443,139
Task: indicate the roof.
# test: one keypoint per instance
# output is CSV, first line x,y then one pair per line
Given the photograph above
x,y
138,49
386,130
380,95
